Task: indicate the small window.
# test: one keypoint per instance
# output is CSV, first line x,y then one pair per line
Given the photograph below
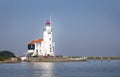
x,y
31,46
49,32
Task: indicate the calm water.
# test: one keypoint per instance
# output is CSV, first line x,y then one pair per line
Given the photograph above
x,y
61,69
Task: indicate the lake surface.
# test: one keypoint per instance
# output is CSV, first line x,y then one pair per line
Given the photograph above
x,y
61,69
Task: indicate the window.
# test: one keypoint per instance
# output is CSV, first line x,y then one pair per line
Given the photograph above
x,y
31,46
49,32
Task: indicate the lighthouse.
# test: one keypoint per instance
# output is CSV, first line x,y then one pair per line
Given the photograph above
x,y
47,37
42,46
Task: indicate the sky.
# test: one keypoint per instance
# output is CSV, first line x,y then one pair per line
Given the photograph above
x,y
80,27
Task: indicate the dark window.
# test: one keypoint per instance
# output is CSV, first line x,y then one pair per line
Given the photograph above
x,y
50,49
36,52
49,32
31,46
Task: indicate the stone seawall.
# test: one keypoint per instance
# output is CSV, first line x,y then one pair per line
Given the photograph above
x,y
54,59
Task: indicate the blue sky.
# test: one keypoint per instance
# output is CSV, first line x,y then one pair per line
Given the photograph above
x,y
81,27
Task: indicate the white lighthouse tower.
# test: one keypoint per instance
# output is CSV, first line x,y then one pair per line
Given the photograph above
x,y
42,46
47,43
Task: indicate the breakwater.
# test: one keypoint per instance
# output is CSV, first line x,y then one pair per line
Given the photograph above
x,y
55,59
61,59
103,57
71,58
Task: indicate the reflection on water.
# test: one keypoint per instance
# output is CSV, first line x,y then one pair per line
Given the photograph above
x,y
61,69
42,69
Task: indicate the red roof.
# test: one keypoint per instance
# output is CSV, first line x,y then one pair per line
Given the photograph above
x,y
39,40
35,41
32,42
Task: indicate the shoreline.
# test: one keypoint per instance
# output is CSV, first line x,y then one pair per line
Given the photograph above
x,y
55,59
62,59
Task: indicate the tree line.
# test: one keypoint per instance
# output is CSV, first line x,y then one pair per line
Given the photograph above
x,y
6,55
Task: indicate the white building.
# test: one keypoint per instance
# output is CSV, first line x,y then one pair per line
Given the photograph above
x,y
42,46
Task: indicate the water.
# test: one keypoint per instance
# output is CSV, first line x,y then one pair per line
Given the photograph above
x,y
61,69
